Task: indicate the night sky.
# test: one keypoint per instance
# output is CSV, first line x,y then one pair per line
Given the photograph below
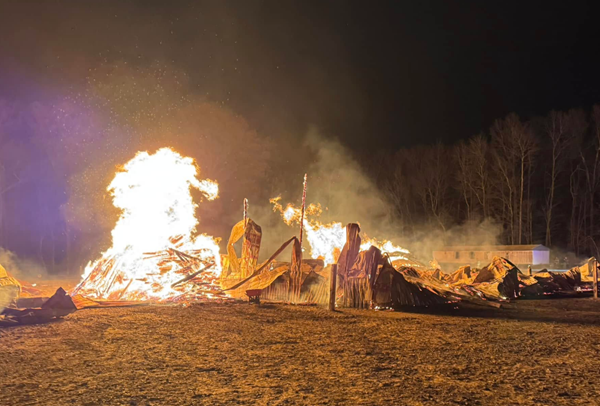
x,y
93,82
375,74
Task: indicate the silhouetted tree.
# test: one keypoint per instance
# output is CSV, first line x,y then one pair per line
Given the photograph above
x,y
520,178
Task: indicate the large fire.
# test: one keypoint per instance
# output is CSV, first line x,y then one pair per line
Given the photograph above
x,y
154,243
327,240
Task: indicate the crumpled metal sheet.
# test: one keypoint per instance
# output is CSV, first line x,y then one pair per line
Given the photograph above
x,y
244,266
57,306
10,289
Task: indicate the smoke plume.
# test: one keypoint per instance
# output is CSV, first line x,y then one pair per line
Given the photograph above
x,y
21,268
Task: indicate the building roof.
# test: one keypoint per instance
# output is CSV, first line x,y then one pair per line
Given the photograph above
x,y
534,247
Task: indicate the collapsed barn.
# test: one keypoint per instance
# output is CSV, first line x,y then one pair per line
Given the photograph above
x,y
364,278
370,279
158,256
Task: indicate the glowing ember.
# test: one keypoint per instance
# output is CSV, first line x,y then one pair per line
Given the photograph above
x,y
157,216
327,240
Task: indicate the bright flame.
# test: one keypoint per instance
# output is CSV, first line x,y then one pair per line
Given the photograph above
x,y
157,213
327,240
394,252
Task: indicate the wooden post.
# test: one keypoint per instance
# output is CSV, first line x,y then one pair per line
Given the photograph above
x,y
297,275
595,276
332,287
303,208
296,272
245,212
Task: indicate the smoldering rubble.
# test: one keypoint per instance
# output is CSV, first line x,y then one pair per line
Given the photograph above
x,y
370,279
365,279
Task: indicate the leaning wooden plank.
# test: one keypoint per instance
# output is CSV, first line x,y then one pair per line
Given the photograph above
x,y
263,266
85,303
192,276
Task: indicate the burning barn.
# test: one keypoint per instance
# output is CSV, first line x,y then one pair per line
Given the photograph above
x,y
365,277
157,256
277,281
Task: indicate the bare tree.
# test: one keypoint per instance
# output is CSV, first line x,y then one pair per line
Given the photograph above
x,y
478,151
465,175
432,183
590,159
575,220
506,159
395,183
561,129
529,202
527,146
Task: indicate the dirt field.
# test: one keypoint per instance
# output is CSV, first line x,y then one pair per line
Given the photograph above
x,y
539,352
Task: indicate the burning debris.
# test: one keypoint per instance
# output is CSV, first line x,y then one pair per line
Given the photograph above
x,y
156,257
366,278
371,279
327,240
156,254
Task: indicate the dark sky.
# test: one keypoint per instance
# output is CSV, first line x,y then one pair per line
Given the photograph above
x,y
373,73
238,85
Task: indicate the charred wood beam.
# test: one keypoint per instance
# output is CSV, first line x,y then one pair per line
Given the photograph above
x,y
192,276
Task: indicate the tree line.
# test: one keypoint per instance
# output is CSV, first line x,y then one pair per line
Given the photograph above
x,y
538,179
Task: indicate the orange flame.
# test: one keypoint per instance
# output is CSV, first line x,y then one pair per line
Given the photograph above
x,y
327,240
157,212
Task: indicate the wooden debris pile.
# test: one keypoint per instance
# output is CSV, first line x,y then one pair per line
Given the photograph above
x,y
570,283
195,283
183,274
369,279
365,279
299,281
502,280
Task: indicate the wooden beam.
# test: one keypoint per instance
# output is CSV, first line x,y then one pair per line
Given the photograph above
x,y
332,287
192,276
595,276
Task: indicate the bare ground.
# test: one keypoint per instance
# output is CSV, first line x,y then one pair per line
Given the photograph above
x,y
538,352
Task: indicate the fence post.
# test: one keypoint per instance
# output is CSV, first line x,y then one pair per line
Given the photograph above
x,y
332,287
595,276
